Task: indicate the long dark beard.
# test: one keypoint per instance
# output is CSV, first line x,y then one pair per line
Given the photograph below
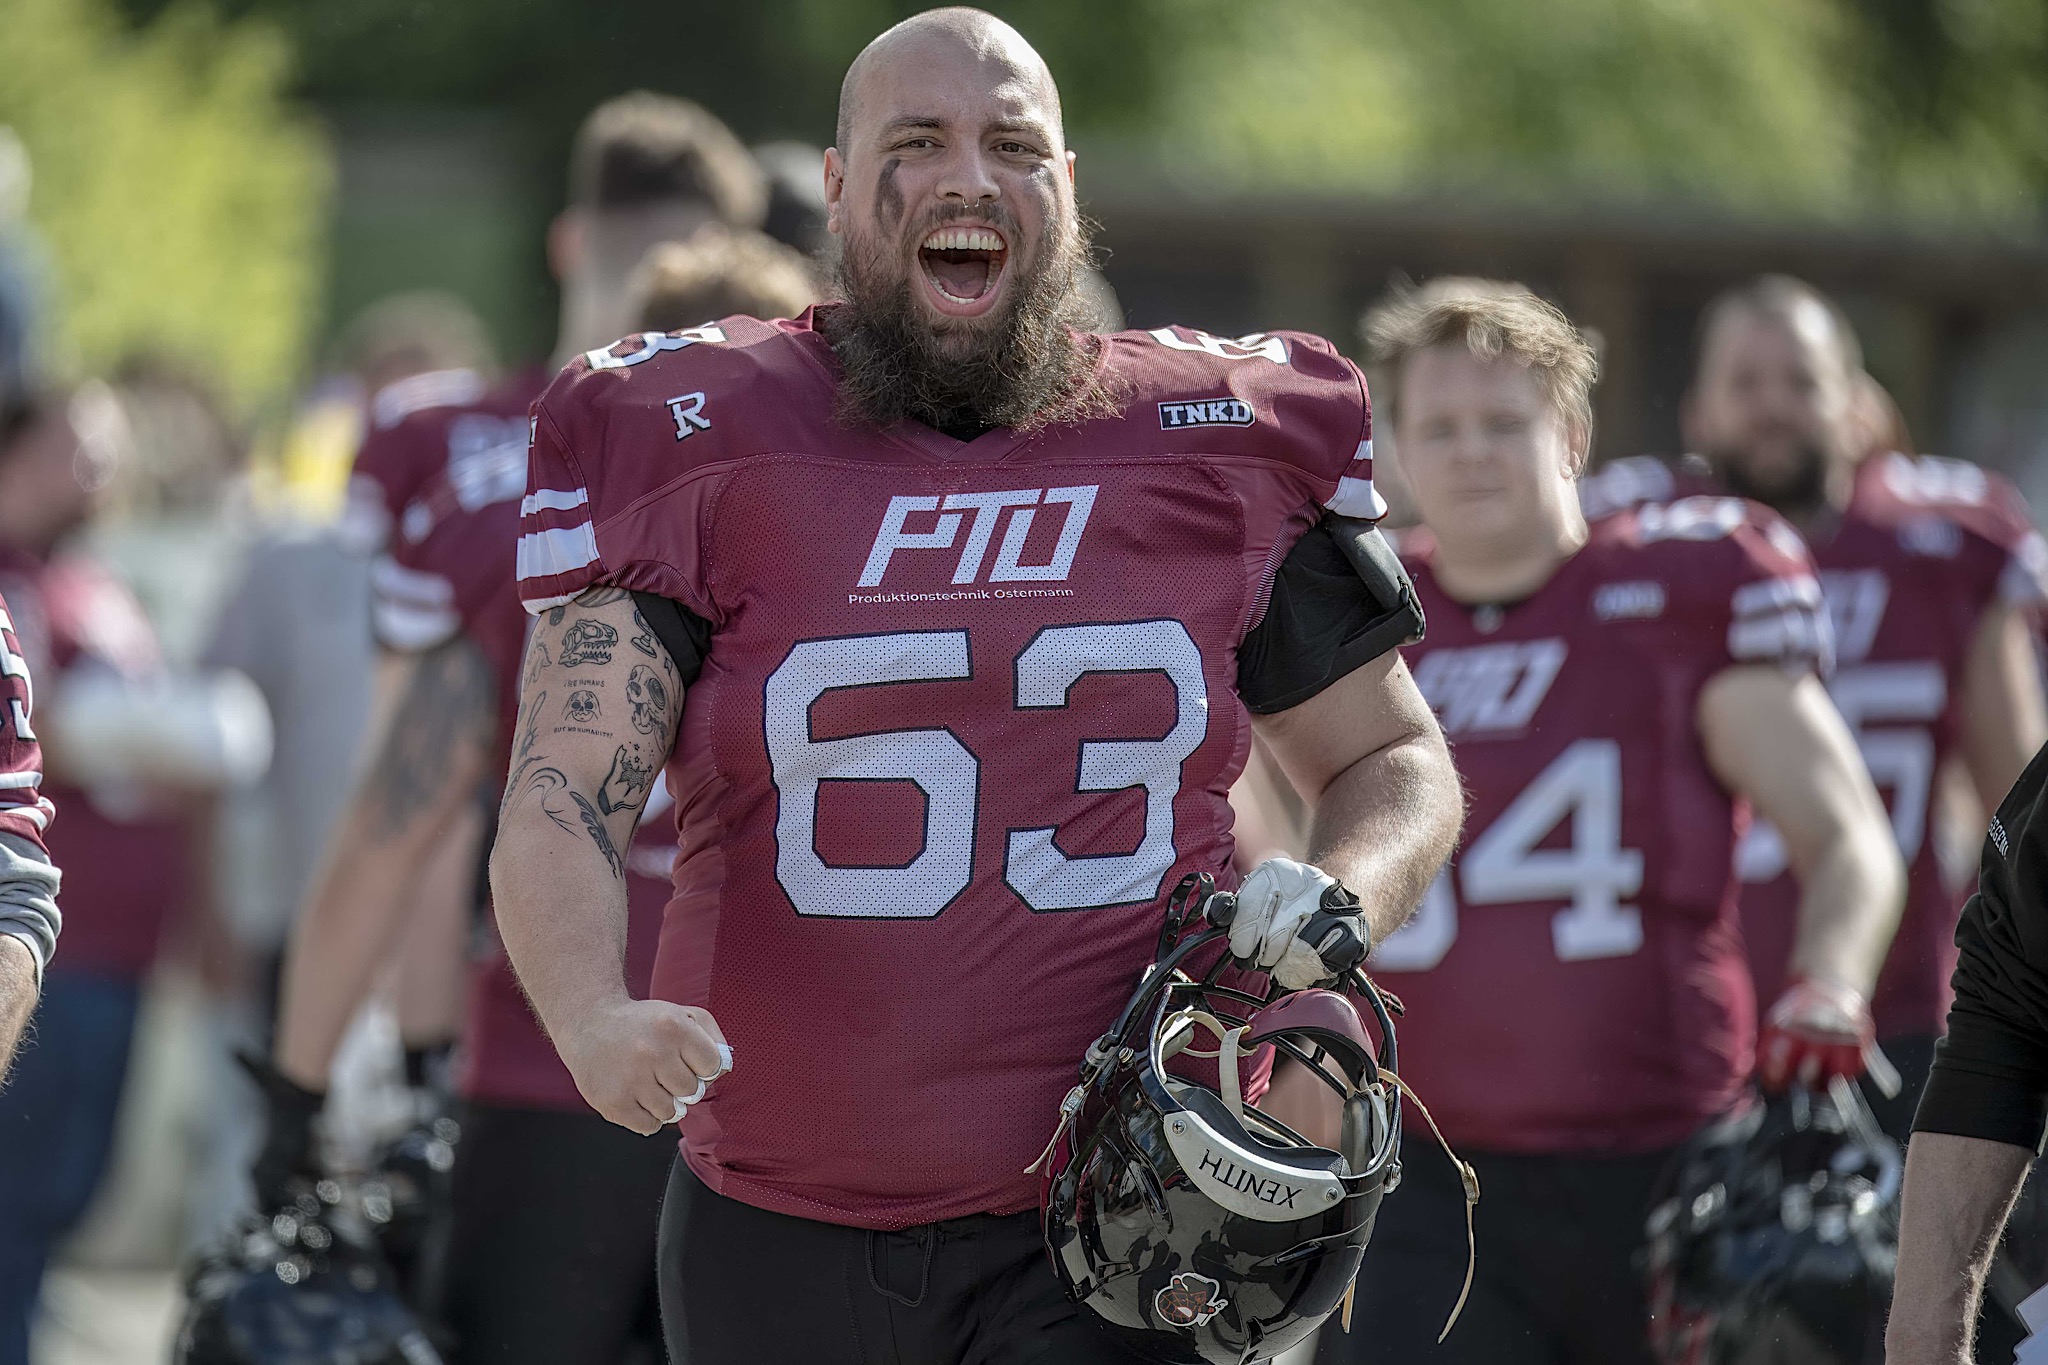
x,y
1798,493
1032,366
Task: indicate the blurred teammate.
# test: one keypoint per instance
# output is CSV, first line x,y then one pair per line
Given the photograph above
x,y
1933,575
959,612
1613,695
645,168
718,273
28,881
550,1253
132,750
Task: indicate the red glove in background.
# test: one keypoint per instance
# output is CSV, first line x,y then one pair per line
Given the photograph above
x,y
1817,1030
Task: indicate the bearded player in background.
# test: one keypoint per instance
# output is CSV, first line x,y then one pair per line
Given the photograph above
x,y
1614,695
549,1251
968,608
1933,575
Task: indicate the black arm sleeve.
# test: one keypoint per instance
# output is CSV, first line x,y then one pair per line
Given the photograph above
x,y
682,632
1340,600
1990,1077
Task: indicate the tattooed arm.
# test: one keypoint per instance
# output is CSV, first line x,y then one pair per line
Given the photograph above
x,y
599,705
427,751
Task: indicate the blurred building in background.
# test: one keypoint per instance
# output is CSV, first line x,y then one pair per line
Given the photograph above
x,y
1955,323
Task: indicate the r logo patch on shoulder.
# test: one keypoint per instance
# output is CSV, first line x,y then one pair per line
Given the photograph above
x,y
1190,1300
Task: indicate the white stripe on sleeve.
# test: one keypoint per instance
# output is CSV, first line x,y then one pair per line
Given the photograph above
x,y
1357,498
553,500
543,554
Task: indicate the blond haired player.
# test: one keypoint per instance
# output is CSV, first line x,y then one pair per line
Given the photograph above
x,y
1614,694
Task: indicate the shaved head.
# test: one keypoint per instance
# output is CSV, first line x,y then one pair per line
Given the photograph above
x,y
958,244
955,28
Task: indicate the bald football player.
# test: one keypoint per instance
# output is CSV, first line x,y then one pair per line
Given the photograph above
x,y
973,614
1615,695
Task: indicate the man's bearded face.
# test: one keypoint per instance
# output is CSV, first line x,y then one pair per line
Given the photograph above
x,y
960,314
1770,409
959,246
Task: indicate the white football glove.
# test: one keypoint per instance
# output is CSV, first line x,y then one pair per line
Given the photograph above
x,y
1275,901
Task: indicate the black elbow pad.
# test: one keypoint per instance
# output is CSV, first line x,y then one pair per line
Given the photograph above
x,y
1340,600
682,632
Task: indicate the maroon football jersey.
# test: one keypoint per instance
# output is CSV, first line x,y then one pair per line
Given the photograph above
x,y
1924,549
126,852
449,571
1575,978
969,710
24,811
421,426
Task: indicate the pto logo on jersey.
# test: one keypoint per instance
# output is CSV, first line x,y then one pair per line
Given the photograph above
x,y
1206,412
1019,505
1489,688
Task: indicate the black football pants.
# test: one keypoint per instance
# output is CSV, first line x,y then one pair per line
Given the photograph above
x,y
1556,1282
550,1257
743,1286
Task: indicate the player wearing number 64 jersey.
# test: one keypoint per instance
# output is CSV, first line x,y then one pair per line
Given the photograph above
x,y
970,607
1614,696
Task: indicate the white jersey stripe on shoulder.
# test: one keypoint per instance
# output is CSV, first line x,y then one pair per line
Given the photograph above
x,y
1772,594
1357,498
1792,634
17,781
38,815
553,500
536,605
2024,581
434,389
543,554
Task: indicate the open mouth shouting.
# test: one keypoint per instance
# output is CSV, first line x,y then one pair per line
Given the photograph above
x,y
963,268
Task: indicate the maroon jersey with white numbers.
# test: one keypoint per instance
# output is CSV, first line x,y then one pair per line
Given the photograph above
x,y
968,712
449,571
1924,550
1575,978
24,811
426,425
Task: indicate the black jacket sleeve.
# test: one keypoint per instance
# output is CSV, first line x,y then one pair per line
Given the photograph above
x,y
1990,1077
1340,600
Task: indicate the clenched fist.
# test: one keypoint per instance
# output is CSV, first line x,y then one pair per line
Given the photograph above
x,y
641,1062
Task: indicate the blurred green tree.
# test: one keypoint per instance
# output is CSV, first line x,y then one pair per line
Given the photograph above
x,y
1931,109
1919,106
1724,100
181,197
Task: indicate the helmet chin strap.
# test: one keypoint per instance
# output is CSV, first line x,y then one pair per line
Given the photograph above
x,y
1469,1179
1229,1048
